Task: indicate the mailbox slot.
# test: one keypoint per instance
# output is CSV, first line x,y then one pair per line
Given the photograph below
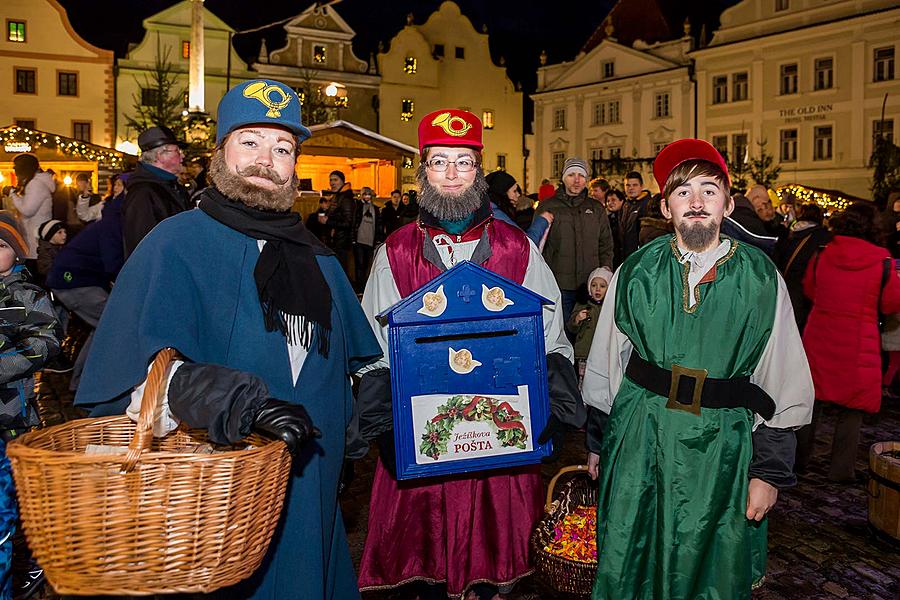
x,y
466,336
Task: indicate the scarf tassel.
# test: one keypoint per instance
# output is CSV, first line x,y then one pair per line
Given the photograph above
x,y
297,329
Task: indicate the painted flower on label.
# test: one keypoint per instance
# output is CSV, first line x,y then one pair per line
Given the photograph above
x,y
494,299
433,303
462,362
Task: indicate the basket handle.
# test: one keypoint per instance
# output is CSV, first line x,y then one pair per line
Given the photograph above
x,y
150,401
548,506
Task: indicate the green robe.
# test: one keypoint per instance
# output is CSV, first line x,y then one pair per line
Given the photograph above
x,y
673,486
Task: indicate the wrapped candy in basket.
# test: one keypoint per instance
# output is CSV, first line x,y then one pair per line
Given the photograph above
x,y
564,542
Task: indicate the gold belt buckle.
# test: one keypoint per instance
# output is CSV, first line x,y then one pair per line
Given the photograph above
x,y
699,376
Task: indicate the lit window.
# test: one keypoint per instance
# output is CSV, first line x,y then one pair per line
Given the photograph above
x,y
788,145
407,108
789,79
409,66
67,84
487,119
883,128
460,52
739,86
15,31
319,54
884,64
661,104
608,68
26,81
822,142
185,49
438,51
559,118
501,162
739,147
81,130
556,164
720,89
824,73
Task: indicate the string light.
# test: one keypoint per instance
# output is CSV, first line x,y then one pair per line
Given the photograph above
x,y
799,194
71,147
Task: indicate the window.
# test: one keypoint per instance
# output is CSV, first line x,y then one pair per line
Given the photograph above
x,y
605,113
781,5
596,155
613,112
15,31
149,96
66,84
788,145
720,89
460,52
487,119
884,64
789,79
599,116
81,130
26,81
739,147
608,69
822,142
720,143
557,160
185,49
319,54
824,68
615,152
661,105
407,108
559,118
883,128
26,123
739,86
501,162
438,51
409,65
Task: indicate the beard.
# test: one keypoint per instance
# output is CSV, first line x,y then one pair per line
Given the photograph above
x,y
698,237
235,185
447,207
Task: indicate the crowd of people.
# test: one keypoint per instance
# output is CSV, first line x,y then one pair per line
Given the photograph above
x,y
695,334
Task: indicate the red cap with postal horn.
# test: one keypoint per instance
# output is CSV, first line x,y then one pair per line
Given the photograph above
x,y
450,127
683,150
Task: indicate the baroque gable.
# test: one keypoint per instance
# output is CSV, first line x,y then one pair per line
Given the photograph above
x,y
588,69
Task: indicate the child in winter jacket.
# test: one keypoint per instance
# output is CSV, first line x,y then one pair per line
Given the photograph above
x,y
28,337
583,320
51,237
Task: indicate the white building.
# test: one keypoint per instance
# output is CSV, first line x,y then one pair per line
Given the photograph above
x,y
809,78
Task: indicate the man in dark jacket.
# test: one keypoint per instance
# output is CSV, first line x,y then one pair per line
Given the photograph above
x,y
340,219
153,192
637,201
580,239
390,215
367,233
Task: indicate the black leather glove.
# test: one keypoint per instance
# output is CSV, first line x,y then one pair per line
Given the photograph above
x,y
285,421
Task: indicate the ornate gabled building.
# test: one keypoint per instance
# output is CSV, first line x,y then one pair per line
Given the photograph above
x,y
318,58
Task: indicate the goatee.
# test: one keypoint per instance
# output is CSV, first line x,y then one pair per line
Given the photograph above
x,y
445,207
237,187
698,237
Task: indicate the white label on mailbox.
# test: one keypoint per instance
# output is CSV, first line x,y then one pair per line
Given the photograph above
x,y
460,426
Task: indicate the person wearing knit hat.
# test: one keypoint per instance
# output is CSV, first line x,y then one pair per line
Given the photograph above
x,y
583,319
698,367
457,520
263,314
52,236
9,233
580,239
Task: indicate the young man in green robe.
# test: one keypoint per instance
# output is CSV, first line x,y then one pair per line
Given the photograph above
x,y
696,381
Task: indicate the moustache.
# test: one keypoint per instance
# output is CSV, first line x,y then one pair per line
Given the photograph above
x,y
264,172
696,213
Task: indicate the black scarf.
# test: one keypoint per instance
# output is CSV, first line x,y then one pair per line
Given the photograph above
x,y
293,293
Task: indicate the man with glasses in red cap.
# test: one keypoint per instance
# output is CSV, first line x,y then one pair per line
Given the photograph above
x,y
459,535
699,366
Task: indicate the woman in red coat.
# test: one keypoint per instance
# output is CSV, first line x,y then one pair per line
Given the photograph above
x,y
841,338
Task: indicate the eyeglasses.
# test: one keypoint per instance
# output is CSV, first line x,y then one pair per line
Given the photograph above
x,y
463,165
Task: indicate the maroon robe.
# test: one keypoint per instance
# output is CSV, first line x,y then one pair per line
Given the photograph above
x,y
460,529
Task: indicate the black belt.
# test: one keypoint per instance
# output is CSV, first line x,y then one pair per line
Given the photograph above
x,y
689,389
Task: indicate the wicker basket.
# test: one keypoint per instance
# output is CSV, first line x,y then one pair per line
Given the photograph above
x,y
562,574
155,520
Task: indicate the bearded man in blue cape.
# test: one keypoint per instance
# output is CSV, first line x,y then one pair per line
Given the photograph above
x,y
269,328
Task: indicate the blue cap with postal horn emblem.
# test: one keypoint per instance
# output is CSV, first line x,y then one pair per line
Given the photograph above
x,y
260,102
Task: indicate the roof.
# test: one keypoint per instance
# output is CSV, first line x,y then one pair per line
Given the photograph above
x,y
365,132
634,20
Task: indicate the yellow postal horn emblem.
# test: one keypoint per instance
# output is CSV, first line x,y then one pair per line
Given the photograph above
x,y
455,126
273,97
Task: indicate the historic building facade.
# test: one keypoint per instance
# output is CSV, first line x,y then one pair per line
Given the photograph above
x,y
445,62
807,78
51,79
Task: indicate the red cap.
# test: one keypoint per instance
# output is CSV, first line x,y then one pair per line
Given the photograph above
x,y
683,150
450,127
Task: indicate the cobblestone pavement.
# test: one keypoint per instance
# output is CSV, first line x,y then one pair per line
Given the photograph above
x,y
820,543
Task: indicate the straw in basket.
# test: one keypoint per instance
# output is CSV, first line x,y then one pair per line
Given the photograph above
x,y
154,520
561,573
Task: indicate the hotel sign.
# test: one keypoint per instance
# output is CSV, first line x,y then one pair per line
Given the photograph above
x,y
813,112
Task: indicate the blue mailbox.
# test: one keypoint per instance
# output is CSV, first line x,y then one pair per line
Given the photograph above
x,y
468,374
